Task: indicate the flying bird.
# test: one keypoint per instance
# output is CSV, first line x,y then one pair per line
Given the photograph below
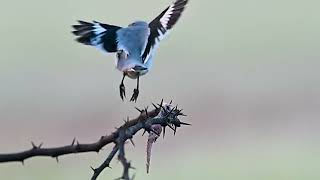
x,y
134,45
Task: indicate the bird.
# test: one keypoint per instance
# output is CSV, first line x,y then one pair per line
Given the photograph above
x,y
134,45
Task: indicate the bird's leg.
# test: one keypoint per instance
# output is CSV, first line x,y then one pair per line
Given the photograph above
x,y
135,92
122,88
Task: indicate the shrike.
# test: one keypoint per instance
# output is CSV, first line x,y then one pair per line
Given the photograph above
x,y
134,45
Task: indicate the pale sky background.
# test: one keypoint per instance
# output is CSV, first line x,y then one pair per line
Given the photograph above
x,y
246,73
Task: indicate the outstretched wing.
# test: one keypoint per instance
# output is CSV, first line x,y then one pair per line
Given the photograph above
x,y
99,35
160,26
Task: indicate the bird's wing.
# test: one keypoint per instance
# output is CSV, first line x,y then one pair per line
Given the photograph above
x,y
99,35
160,26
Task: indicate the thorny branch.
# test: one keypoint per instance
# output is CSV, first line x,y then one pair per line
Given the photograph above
x,y
163,114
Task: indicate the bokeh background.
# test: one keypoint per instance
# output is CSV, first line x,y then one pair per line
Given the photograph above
x,y
246,73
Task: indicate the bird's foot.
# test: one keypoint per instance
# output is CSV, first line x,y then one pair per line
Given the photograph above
x,y
122,91
135,95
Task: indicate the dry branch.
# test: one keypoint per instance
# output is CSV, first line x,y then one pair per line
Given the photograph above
x,y
162,114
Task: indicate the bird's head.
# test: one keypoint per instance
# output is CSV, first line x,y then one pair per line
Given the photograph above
x,y
139,23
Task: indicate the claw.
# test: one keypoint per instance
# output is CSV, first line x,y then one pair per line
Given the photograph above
x,y
122,91
135,95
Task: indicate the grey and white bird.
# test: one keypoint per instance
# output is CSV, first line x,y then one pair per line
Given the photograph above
x,y
134,45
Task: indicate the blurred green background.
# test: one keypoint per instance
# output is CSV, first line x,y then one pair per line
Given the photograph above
x,y
246,73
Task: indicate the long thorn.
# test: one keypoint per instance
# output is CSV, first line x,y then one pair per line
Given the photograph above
x,y
144,132
33,145
168,114
165,110
139,109
132,142
161,103
146,111
73,141
155,106
183,123
170,126
175,130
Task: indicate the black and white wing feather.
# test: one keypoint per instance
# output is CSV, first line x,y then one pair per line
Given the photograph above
x,y
99,35
160,26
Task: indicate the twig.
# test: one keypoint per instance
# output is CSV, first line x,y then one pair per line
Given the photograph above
x,y
126,165
105,164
